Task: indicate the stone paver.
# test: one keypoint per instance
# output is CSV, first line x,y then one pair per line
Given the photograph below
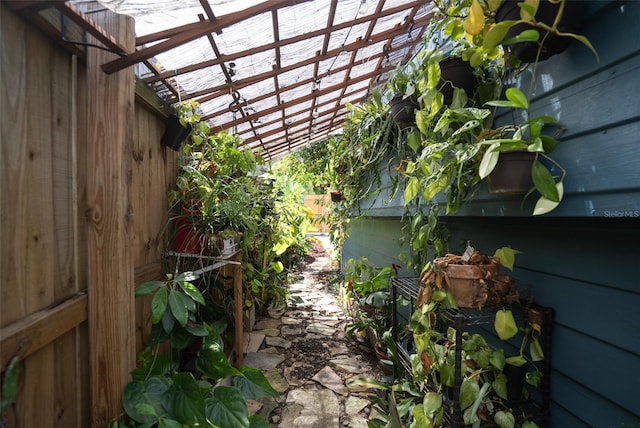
x,y
306,356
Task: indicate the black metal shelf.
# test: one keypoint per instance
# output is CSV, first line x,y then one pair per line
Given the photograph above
x,y
462,319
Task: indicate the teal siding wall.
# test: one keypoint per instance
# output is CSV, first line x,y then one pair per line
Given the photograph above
x,y
583,259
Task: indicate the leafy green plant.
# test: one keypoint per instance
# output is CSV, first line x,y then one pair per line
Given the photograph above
x,y
368,287
163,393
9,390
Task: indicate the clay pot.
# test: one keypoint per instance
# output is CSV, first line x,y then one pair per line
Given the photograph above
x,y
186,239
512,174
382,355
468,283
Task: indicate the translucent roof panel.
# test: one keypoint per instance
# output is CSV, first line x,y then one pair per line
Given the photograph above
x,y
276,72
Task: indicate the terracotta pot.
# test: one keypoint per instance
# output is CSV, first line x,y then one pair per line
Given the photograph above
x,y
454,71
512,174
467,283
547,11
403,110
382,355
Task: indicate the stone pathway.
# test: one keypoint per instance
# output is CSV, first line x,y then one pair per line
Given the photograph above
x,y
306,355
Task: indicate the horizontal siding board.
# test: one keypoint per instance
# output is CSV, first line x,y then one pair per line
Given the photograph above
x,y
577,407
377,239
596,102
583,308
606,376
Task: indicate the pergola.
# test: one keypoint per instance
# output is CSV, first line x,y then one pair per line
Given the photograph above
x,y
278,73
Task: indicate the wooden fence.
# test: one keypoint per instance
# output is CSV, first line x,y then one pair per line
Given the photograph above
x,y
320,205
84,182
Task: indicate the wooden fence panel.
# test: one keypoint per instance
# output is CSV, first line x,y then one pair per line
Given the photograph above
x,y
51,219
320,205
41,258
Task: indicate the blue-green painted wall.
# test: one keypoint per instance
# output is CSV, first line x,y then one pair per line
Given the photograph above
x,y
583,259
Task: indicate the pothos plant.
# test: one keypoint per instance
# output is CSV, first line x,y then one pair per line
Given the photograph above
x,y
162,393
474,25
483,389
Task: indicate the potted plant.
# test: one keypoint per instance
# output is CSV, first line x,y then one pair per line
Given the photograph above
x,y
467,279
211,392
467,376
367,286
559,17
479,28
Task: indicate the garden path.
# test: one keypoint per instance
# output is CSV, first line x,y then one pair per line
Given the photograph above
x,y
304,352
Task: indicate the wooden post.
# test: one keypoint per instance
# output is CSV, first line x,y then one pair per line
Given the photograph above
x,y
238,308
110,107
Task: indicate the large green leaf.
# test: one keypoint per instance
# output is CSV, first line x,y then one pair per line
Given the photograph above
x,y
489,161
470,415
187,302
148,288
253,384
414,141
169,423
192,292
187,276
419,418
213,362
186,401
544,182
525,36
227,408
158,305
545,205
517,97
507,256
504,419
410,192
469,390
9,384
257,421
505,324
422,121
144,396
495,35
178,308
432,402
499,385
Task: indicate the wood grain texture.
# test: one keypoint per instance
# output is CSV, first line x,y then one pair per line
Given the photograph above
x,y
109,216
39,329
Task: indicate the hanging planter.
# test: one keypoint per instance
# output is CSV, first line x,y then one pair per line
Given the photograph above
x,y
512,173
175,133
547,12
454,71
403,110
337,196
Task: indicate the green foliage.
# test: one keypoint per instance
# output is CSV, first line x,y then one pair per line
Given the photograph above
x,y
9,388
162,395
222,191
367,286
